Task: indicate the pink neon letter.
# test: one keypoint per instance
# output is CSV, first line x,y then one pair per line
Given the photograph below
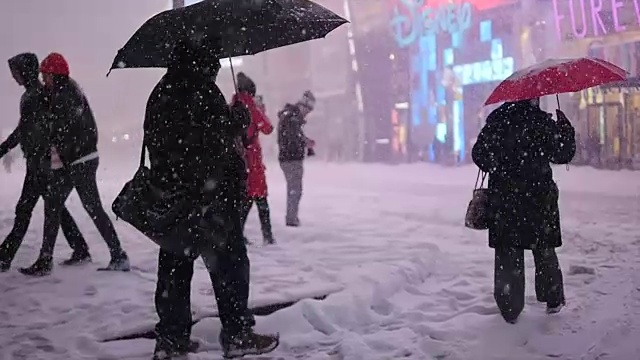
x,y
595,16
576,33
615,5
558,17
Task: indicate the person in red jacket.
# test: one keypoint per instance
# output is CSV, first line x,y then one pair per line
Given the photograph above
x,y
257,180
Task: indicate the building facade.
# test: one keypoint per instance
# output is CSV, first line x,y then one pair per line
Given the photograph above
x,y
607,118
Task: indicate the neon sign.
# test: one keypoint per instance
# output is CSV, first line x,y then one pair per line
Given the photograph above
x,y
593,18
412,19
484,71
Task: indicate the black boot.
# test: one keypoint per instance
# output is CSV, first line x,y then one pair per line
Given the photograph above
x,y
119,262
168,350
248,343
267,235
77,258
42,267
555,308
265,220
5,265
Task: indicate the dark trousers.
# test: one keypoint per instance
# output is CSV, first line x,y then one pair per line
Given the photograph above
x,y
82,177
35,186
509,280
230,282
263,213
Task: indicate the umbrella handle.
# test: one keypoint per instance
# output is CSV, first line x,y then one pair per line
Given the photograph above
x,y
558,100
233,76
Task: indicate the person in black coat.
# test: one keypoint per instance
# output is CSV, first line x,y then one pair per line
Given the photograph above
x,y
516,147
74,160
190,133
32,134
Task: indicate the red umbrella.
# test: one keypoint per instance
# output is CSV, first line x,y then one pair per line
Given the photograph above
x,y
556,76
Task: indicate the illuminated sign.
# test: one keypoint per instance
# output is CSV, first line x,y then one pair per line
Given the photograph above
x,y
484,71
412,19
591,22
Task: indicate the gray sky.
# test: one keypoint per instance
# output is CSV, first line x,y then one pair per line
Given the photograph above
x,y
88,33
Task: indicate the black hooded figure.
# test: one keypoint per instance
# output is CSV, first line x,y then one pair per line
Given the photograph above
x,y
190,132
516,147
74,163
32,134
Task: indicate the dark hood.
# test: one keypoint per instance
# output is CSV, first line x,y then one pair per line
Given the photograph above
x,y
516,112
192,61
27,65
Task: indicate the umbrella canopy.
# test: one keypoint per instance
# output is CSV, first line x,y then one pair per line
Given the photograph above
x,y
228,28
556,76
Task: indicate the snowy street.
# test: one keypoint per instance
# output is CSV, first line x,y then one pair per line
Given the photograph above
x,y
407,279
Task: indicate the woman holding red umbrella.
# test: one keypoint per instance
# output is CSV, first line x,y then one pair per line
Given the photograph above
x,y
516,148
257,180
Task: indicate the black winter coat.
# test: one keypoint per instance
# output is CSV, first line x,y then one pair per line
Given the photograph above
x,y
292,142
74,131
190,134
516,147
32,132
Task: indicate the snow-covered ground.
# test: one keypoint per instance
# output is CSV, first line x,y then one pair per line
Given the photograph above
x,y
409,281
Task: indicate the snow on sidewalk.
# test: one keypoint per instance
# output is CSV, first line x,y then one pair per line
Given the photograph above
x,y
413,282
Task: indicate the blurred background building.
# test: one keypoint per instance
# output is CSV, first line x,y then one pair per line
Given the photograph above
x,y
427,67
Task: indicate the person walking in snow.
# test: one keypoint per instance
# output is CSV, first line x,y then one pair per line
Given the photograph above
x,y
516,147
190,135
74,156
32,134
294,145
256,179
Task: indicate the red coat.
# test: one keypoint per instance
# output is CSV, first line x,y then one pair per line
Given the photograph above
x,y
257,180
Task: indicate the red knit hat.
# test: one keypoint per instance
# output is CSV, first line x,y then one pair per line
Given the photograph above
x,y
54,64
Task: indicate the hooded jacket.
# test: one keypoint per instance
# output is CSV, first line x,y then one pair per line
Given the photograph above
x,y
190,131
292,142
32,132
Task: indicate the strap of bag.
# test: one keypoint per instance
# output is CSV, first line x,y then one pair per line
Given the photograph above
x,y
484,176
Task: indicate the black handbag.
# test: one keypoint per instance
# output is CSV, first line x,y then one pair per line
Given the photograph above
x,y
170,219
479,210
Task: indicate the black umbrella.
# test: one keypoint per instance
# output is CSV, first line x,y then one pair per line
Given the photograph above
x,y
228,28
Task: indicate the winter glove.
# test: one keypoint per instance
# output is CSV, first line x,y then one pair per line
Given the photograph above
x,y
311,152
561,116
310,143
